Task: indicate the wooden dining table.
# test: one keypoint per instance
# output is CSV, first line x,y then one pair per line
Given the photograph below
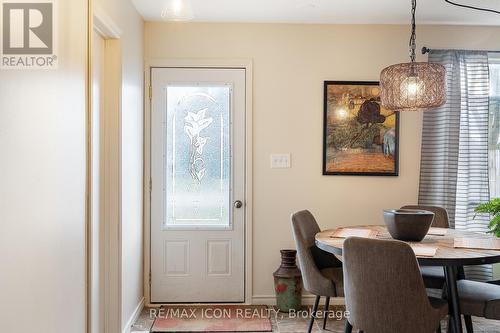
x,y
451,258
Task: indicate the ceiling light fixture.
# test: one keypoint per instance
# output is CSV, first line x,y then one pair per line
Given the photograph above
x,y
177,10
413,86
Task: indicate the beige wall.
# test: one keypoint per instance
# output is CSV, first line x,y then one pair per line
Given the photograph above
x,y
126,18
290,64
42,187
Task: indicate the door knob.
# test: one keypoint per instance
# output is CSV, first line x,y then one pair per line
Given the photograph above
x,y
238,204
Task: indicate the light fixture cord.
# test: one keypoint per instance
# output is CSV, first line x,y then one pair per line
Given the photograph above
x,y
413,44
472,7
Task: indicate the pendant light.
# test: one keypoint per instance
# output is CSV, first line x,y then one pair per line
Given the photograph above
x,y
413,86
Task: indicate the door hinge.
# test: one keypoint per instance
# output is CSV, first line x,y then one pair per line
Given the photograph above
x,y
150,185
150,92
149,278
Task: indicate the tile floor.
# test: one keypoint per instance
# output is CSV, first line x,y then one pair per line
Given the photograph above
x,y
282,323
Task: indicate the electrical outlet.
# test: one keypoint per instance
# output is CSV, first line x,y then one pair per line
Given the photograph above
x,y
280,161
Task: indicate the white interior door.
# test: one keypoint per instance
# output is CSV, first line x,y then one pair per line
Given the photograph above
x,y
198,187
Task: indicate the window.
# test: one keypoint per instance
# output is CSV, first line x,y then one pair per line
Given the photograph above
x,y
494,130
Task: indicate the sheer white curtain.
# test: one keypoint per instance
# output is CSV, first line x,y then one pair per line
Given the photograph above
x,y
454,163
494,130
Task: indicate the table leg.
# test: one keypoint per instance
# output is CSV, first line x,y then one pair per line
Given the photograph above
x,y
453,299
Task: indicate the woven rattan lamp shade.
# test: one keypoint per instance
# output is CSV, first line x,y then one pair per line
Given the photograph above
x,y
413,86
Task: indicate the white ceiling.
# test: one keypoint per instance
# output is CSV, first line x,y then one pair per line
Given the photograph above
x,y
329,11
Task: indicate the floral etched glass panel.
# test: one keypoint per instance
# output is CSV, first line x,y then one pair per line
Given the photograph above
x,y
197,156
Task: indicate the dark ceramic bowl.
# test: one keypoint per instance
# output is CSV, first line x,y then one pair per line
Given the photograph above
x,y
407,224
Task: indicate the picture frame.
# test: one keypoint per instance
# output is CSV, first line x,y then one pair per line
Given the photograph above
x,y
360,137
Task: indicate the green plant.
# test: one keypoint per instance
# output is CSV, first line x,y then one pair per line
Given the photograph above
x,y
493,208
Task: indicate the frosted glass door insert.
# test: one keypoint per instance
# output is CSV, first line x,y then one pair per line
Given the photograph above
x,y
197,156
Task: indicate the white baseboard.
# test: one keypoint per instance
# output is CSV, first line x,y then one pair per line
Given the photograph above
x,y
307,299
134,316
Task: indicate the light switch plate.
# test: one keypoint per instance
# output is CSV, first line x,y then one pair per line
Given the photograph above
x,y
280,161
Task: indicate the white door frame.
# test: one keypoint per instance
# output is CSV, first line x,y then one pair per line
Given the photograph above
x,y
111,173
185,63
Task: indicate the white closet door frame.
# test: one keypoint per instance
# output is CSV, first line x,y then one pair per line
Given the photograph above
x,y
110,199
177,63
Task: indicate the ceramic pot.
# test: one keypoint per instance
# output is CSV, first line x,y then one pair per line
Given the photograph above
x,y
288,282
408,224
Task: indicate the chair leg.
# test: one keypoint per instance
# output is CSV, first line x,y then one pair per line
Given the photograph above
x,y
348,326
449,325
468,324
327,305
313,314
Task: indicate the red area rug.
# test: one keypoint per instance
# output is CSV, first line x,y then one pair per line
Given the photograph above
x,y
217,318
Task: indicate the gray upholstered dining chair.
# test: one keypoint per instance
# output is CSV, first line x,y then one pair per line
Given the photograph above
x,y
321,271
440,214
433,275
384,291
478,299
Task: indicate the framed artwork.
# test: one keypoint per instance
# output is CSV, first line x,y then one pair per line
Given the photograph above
x,y
360,137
